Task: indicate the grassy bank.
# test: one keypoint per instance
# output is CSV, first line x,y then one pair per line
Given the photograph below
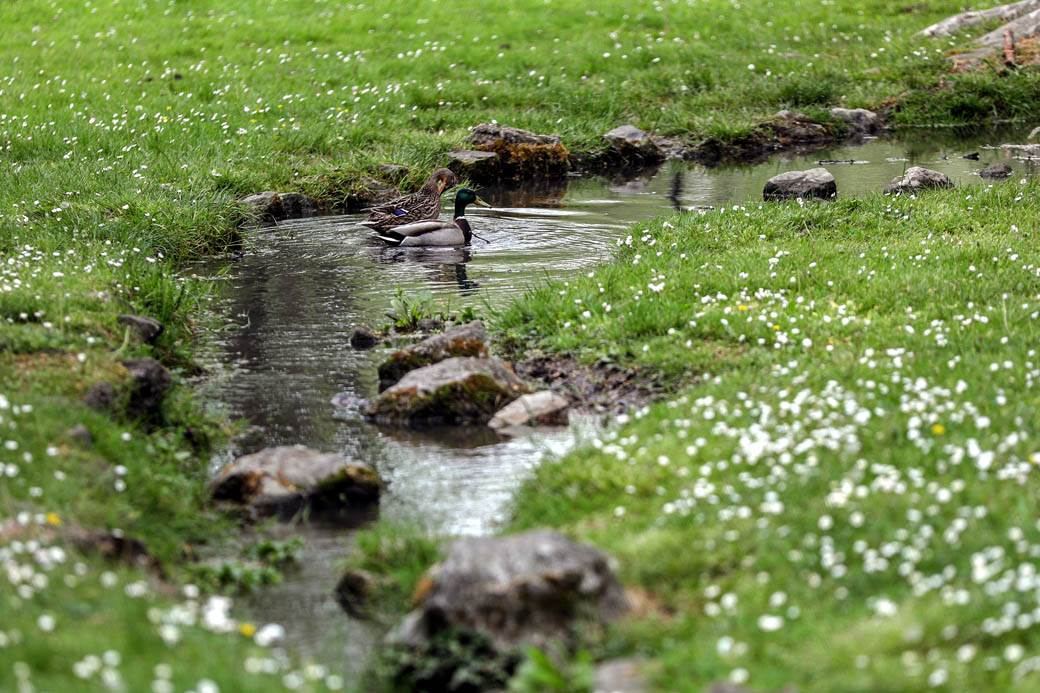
x,y
844,500
128,129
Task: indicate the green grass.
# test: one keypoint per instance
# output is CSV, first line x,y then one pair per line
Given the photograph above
x,y
129,128
845,500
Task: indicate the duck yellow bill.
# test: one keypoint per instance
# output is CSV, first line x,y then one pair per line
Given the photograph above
x,y
481,203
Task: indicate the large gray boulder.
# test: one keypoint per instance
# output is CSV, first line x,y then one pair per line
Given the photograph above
x,y
814,183
516,591
463,340
858,121
462,390
632,144
284,480
916,179
545,408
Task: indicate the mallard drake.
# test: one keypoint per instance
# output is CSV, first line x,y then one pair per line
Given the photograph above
x,y
418,206
435,232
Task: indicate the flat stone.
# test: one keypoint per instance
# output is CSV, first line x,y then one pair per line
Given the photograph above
x,y
814,183
997,171
630,142
859,121
147,329
284,480
493,135
462,340
454,391
545,408
522,590
916,179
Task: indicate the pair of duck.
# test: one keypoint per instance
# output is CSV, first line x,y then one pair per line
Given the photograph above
x,y
411,220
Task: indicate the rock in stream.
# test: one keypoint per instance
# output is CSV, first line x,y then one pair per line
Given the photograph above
x,y
520,590
454,391
816,182
545,408
464,340
285,480
918,178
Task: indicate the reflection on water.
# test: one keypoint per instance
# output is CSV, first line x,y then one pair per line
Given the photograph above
x,y
293,300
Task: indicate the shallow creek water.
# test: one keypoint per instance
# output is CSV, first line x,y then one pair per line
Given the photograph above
x,y
291,302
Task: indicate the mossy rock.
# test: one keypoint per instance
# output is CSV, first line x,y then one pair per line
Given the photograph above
x,y
454,391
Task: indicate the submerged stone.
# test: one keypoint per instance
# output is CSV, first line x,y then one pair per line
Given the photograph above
x,y
522,590
997,171
454,391
363,338
814,183
916,179
463,340
284,480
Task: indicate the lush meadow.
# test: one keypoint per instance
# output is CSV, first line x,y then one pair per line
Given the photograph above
x,y
845,498
129,129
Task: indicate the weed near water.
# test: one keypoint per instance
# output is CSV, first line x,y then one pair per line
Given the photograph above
x,y
843,502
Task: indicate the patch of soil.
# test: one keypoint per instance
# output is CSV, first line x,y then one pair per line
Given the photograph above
x,y
600,387
786,132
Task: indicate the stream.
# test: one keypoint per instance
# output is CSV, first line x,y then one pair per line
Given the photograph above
x,y
290,304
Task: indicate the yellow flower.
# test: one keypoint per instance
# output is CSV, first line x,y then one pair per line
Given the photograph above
x,y
742,307
53,519
776,328
247,629
938,429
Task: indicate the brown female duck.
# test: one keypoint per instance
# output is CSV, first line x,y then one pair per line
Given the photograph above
x,y
418,206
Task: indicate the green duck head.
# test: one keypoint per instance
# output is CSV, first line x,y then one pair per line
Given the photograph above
x,y
465,197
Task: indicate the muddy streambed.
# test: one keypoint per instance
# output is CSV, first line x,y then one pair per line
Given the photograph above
x,y
283,362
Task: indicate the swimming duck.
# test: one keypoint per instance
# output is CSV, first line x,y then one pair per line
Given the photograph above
x,y
418,206
435,232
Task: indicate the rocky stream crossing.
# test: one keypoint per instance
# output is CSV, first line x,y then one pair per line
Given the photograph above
x,y
355,427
